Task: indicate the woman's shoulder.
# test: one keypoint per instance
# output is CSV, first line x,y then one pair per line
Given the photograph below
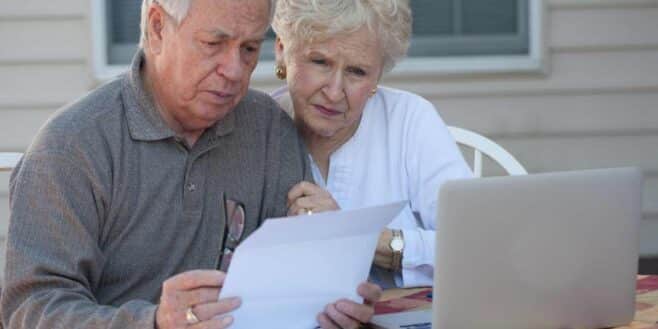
x,y
401,104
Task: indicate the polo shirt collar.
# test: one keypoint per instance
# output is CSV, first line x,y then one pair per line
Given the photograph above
x,y
144,120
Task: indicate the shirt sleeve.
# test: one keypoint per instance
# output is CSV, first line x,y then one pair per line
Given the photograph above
x,y
293,165
53,257
432,158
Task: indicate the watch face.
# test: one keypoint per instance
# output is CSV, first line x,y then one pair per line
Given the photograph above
x,y
397,244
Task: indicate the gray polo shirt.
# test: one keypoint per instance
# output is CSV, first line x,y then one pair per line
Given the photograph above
x,y
107,203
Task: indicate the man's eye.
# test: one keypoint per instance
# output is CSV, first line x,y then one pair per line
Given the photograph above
x,y
211,43
251,49
319,61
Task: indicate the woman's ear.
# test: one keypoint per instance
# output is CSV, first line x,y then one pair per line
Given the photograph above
x,y
278,50
155,24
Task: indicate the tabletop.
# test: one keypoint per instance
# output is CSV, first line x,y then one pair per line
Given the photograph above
x,y
646,304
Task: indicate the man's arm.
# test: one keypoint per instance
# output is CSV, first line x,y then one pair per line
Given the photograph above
x,y
293,166
54,261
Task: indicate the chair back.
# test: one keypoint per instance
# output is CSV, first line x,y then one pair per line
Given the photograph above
x,y
482,145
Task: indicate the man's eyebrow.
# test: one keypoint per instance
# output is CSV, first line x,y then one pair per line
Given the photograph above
x,y
258,40
218,33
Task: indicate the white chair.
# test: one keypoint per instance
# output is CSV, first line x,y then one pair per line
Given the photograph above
x,y
482,145
8,160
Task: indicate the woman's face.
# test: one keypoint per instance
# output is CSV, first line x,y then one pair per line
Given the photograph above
x,y
330,81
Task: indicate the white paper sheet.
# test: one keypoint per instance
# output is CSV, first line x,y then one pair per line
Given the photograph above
x,y
291,268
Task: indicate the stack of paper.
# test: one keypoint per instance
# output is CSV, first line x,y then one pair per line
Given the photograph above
x,y
291,268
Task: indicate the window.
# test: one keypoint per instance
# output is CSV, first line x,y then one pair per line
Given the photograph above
x,y
469,27
122,28
454,36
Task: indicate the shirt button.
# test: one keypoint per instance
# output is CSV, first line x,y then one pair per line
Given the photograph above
x,y
191,187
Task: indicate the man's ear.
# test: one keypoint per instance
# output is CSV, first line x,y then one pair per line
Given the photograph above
x,y
155,23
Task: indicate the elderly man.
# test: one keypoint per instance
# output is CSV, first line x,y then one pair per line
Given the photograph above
x,y
118,207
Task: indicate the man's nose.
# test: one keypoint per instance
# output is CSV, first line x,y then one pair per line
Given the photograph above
x,y
230,65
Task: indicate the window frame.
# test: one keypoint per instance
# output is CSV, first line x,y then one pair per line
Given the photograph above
x,y
471,65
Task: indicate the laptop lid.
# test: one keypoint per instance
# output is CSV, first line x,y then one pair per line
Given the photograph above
x,y
556,250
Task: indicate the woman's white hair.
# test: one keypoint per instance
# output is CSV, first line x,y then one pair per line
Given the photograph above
x,y
298,22
175,8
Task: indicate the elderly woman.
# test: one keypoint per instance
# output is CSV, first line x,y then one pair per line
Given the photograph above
x,y
368,144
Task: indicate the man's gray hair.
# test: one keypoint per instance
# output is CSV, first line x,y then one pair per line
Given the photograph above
x,y
175,8
299,22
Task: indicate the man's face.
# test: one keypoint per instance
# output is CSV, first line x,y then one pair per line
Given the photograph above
x,y
203,65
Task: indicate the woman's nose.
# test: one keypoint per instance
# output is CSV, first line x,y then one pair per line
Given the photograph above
x,y
335,88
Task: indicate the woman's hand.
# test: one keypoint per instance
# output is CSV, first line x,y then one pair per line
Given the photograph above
x,y
306,196
346,314
384,254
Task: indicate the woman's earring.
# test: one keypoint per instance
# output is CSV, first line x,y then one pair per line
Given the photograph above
x,y
280,71
373,91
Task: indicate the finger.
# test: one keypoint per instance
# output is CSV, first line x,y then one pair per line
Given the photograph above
x,y
299,190
194,280
305,202
325,322
323,202
358,312
296,210
316,202
208,311
370,292
383,261
198,296
214,323
301,206
339,318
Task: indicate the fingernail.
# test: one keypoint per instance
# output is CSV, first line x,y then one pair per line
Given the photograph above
x,y
236,301
227,320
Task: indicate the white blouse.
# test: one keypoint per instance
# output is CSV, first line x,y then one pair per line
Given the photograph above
x,y
402,150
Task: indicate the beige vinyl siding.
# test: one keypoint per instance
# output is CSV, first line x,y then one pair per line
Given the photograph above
x,y
44,63
597,105
44,9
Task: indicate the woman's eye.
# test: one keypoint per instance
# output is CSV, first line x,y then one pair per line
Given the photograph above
x,y
357,71
319,61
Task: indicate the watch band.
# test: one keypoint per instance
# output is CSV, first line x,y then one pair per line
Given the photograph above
x,y
398,241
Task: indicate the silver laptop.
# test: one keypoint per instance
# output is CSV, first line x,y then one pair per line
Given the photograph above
x,y
555,250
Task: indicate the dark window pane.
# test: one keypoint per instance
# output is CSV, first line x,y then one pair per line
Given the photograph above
x,y
432,17
440,28
124,20
482,17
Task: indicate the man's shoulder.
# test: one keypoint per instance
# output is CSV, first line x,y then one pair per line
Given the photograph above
x,y
99,108
260,102
105,98
261,107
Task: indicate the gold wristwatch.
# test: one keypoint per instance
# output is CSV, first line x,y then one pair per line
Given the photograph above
x,y
397,247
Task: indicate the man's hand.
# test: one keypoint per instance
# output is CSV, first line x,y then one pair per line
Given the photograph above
x,y
307,196
197,290
346,314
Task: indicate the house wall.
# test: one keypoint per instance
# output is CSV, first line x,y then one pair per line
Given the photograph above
x,y
595,106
